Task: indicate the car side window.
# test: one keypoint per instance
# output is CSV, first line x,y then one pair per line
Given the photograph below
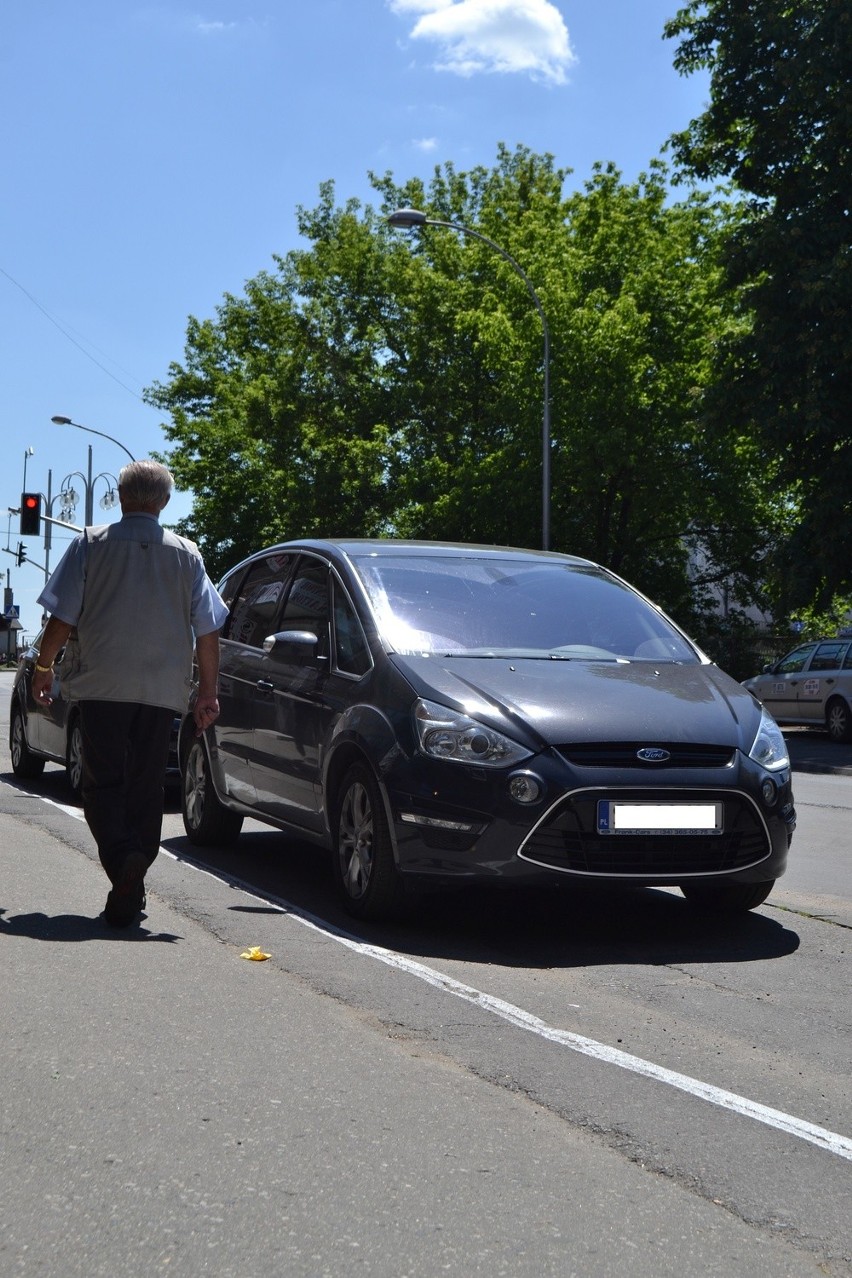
x,y
255,606
352,653
828,656
307,605
847,660
795,660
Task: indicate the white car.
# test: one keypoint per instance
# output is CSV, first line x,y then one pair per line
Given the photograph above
x,y
811,686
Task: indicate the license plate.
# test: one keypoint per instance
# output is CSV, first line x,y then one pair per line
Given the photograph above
x,y
616,817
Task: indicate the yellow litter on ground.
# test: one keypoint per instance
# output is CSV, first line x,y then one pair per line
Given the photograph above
x,y
255,953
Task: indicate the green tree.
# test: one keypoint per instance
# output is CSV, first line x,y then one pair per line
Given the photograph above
x,y
377,383
779,124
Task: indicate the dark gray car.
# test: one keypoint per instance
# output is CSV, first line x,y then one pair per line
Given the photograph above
x,y
51,734
438,713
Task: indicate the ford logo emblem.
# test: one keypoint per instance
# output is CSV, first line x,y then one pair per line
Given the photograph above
x,y
653,754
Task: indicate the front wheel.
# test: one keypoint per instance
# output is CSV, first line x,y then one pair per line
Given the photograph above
x,y
365,872
25,764
208,823
727,898
838,720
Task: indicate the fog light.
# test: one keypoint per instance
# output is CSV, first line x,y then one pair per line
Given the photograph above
x,y
770,791
525,788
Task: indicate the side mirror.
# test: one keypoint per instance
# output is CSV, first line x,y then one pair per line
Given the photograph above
x,y
292,645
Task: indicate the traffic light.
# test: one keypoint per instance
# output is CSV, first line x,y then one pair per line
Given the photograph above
x,y
30,514
21,556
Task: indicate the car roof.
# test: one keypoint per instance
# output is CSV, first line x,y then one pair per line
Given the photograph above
x,y
388,547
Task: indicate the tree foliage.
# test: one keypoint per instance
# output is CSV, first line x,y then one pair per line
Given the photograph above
x,y
779,124
376,383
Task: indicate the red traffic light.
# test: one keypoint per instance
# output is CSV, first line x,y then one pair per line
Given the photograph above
x,y
30,514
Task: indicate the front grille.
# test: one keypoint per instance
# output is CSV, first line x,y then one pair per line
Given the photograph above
x,y
568,840
622,754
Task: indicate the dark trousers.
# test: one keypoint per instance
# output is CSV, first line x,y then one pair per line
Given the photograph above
x,y
125,753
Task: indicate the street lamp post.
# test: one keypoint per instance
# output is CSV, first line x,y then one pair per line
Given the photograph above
x,y
67,494
406,219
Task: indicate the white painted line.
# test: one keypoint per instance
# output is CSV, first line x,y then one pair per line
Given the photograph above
x,y
819,1136
830,1141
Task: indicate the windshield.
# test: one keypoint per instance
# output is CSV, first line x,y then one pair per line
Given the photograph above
x,y
502,607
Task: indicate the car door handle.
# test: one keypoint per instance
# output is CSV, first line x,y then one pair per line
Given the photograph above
x,y
263,685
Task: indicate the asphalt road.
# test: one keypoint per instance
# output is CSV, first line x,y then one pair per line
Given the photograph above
x,y
554,1083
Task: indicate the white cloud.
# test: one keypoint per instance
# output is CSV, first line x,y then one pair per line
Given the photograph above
x,y
208,28
426,144
527,36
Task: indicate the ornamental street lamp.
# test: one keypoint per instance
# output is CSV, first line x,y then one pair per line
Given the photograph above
x,y
406,219
68,494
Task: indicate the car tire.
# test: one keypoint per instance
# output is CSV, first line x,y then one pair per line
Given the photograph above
x,y
727,898
74,757
365,872
208,823
838,720
25,764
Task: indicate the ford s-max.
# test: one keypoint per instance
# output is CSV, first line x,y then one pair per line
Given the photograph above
x,y
438,713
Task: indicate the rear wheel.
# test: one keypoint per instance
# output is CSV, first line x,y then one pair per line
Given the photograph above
x,y
74,757
365,872
727,898
838,720
25,764
208,823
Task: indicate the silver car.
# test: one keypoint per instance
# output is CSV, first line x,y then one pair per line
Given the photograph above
x,y
811,686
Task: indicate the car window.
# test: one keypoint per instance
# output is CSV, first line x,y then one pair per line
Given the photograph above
x,y
352,654
828,656
255,606
307,601
794,661
460,605
847,660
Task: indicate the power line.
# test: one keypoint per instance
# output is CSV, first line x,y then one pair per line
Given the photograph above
x,y
73,340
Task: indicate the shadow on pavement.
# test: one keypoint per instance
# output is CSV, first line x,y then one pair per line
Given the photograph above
x,y
75,927
813,751
550,926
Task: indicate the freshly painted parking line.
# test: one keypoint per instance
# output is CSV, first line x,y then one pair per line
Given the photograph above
x,y
829,1141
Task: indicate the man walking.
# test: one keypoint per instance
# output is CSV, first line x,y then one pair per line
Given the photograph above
x,y
125,601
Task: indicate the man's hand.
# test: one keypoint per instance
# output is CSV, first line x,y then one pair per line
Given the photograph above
x,y
204,712
41,685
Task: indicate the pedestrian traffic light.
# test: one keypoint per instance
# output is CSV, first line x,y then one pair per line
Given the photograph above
x,y
30,514
22,554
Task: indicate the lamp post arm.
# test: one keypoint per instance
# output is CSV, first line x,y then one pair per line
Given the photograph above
x,y
104,436
477,235
66,421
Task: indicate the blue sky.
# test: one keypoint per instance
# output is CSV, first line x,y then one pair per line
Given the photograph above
x,y
154,156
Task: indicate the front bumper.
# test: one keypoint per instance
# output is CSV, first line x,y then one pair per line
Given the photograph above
x,y
453,822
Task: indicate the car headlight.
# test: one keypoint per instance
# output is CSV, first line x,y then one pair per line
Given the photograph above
x,y
448,734
769,748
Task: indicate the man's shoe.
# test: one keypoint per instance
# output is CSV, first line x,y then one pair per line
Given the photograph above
x,y
126,900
